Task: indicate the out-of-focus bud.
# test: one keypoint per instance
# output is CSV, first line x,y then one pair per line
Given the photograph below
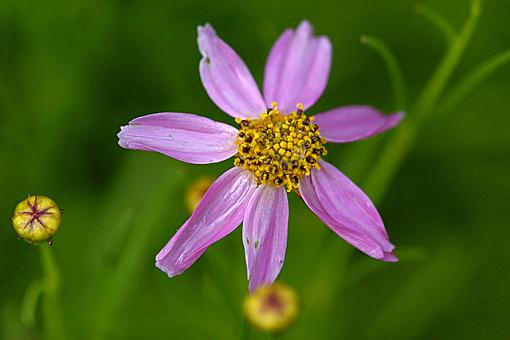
x,y
272,308
36,219
196,191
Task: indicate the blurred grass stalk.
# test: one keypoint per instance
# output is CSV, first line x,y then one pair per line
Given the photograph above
x,y
47,291
117,280
398,147
51,307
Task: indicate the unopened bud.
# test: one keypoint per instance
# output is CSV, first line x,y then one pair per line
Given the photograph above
x,y
272,308
36,219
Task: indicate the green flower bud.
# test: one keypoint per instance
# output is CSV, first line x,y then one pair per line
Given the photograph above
x,y
36,219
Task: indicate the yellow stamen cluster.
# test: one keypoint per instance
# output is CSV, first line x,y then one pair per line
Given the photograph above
x,y
279,149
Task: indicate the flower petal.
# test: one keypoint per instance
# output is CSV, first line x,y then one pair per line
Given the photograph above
x,y
217,215
183,136
351,123
342,206
226,78
265,234
297,68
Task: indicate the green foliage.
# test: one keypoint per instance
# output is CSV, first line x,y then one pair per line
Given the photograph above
x,y
73,72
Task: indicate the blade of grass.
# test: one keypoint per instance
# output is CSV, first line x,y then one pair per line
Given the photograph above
x,y
398,147
437,20
433,288
246,331
29,303
396,78
120,282
443,73
51,308
471,80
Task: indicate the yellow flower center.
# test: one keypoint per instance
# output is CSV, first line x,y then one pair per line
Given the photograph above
x,y
279,149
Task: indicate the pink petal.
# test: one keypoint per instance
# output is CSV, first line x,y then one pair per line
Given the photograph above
x,y
265,234
297,68
226,78
347,210
217,215
183,136
351,123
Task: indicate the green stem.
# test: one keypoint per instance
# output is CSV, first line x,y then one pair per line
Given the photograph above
x,y
219,278
474,78
441,76
29,304
247,331
51,308
397,80
396,150
133,255
437,20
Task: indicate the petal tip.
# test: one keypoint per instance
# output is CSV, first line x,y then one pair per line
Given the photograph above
x,y
389,257
394,119
123,141
305,26
166,270
205,29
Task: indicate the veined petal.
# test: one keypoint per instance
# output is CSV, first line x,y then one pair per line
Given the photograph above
x,y
183,136
226,77
217,215
297,68
351,123
265,234
347,210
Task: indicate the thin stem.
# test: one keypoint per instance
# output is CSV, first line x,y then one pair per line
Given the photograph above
x,y
116,291
247,331
396,78
30,300
437,20
51,308
442,75
219,279
470,81
396,150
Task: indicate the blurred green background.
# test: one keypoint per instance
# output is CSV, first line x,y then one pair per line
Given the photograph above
x,y
73,72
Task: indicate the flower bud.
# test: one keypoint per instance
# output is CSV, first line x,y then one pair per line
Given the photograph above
x,y
272,308
196,191
36,219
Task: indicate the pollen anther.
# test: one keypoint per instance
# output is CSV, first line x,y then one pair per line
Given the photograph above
x,y
279,149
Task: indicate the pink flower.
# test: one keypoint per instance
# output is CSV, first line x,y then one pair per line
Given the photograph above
x,y
276,148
